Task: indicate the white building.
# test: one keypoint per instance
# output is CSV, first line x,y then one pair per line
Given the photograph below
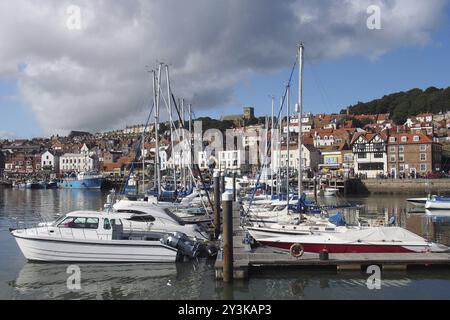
x,y
50,162
229,160
81,162
311,157
370,154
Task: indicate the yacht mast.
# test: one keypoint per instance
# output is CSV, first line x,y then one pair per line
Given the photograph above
x,y
155,178
171,129
288,109
143,162
183,173
158,99
272,131
300,107
190,143
280,122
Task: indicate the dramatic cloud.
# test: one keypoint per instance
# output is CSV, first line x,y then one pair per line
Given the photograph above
x,y
95,78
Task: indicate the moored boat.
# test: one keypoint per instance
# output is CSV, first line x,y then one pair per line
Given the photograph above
x,y
82,180
371,240
86,236
438,202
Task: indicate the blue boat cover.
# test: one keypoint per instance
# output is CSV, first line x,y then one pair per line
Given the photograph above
x,y
338,220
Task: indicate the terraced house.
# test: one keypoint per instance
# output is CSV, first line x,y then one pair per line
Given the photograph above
x,y
410,154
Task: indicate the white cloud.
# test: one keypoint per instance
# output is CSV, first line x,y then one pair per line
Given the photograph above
x,y
94,78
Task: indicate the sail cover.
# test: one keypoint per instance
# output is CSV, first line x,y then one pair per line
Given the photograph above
x,y
380,234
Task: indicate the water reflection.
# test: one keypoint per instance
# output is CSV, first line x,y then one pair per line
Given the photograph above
x,y
196,280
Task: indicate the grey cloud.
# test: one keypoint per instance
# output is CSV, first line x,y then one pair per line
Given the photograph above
x,y
95,79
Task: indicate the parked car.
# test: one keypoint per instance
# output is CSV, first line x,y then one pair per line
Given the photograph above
x,y
434,175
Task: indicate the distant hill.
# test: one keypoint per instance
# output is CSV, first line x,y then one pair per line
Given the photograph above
x,y
401,105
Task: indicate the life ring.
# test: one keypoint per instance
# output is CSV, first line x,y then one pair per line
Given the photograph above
x,y
297,250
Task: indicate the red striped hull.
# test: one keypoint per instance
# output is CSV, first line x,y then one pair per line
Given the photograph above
x,y
343,248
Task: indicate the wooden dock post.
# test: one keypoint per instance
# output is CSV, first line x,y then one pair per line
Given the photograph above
x,y
222,182
315,189
227,204
216,208
234,186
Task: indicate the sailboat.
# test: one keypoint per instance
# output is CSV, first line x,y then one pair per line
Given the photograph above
x,y
371,240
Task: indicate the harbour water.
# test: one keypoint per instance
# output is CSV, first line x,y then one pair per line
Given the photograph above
x,y
195,280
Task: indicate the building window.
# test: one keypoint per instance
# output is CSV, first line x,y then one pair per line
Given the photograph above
x,y
392,158
392,139
401,148
416,138
423,167
401,157
378,156
423,147
391,149
370,166
423,157
404,139
362,156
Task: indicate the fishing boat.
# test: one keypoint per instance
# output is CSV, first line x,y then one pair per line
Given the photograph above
x,y
33,184
82,180
370,240
87,236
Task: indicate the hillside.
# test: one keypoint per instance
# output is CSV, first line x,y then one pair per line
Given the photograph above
x,y
401,105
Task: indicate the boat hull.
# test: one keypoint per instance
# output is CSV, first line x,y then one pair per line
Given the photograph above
x,y
348,248
437,205
81,184
62,250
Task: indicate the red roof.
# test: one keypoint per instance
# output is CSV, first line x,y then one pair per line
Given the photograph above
x,y
423,138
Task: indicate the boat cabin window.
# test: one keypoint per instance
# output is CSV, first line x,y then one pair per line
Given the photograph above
x,y
143,218
79,223
106,224
115,222
131,211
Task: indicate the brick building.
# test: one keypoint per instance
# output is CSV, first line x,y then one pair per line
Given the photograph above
x,y
411,154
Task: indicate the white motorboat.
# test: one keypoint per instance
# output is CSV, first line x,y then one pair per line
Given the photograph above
x,y
438,202
418,202
142,217
86,236
370,240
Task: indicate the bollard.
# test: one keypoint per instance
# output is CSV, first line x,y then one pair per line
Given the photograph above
x,y
216,205
227,204
234,186
315,189
222,182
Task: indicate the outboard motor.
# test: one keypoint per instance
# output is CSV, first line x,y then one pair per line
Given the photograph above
x,y
181,242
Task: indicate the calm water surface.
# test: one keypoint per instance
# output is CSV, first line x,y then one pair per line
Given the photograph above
x,y
195,280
